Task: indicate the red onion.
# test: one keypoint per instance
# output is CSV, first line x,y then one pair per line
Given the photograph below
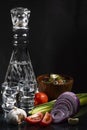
x,y
70,96
66,105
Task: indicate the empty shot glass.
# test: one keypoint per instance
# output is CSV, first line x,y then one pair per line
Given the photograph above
x,y
26,95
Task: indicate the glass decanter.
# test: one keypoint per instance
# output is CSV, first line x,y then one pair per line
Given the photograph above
x,y
20,83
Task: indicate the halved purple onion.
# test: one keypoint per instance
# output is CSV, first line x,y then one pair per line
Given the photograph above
x,y
58,111
65,102
70,96
66,105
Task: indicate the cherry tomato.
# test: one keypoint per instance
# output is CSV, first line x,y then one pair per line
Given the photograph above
x,y
47,119
35,118
40,97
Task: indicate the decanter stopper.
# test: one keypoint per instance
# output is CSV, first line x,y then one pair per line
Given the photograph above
x,y
20,17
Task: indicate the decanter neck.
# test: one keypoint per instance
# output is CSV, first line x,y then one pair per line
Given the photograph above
x,y
20,37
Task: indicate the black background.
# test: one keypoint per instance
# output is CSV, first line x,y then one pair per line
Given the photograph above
x,y
58,38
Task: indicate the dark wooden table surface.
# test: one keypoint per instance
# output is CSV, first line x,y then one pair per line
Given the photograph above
x,y
82,125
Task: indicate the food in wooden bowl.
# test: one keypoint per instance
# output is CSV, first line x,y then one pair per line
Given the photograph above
x,y
54,84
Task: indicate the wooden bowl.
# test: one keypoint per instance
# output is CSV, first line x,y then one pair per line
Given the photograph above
x,y
53,89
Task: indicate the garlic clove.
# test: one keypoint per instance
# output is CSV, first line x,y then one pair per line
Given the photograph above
x,y
16,116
